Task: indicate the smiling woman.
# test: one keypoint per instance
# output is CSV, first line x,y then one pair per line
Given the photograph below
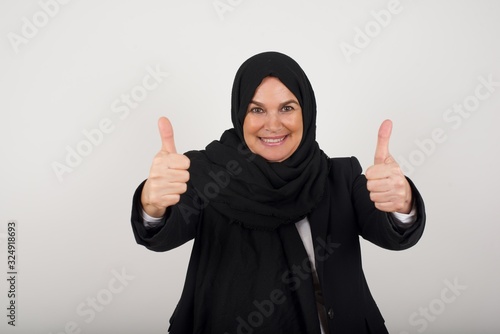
x,y
273,124
276,239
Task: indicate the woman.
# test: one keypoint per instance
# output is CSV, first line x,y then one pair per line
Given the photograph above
x,y
275,222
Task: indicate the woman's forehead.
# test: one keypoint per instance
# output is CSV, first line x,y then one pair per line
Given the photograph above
x,y
273,87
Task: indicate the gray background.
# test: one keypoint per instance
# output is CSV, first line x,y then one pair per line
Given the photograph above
x,y
74,233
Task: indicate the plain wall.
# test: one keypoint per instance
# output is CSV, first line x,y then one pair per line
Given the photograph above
x,y
66,69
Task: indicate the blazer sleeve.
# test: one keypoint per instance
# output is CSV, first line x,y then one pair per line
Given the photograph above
x,y
380,227
179,224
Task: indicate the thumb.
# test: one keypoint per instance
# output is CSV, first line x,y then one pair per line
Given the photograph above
x,y
167,135
384,134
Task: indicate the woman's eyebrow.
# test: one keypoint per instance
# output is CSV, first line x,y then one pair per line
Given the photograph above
x,y
257,103
282,104
290,101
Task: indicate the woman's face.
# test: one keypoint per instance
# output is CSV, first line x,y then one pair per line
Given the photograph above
x,y
272,127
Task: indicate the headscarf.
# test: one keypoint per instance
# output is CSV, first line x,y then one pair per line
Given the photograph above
x,y
263,195
246,240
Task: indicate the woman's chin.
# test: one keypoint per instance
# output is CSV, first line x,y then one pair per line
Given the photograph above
x,y
275,156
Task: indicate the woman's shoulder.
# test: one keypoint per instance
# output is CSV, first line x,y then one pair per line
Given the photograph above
x,y
344,165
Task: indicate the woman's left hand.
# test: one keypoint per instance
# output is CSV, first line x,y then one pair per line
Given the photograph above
x,y
389,189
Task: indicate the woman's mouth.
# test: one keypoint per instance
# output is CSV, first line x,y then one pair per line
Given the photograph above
x,y
273,141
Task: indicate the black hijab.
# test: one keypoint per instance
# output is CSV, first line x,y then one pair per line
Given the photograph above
x,y
246,244
263,195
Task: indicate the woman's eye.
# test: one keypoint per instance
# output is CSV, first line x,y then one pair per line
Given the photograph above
x,y
256,110
287,108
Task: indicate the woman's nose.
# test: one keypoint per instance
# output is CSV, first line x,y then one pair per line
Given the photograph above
x,y
273,122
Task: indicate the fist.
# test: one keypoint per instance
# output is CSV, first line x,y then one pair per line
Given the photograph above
x,y
388,187
168,175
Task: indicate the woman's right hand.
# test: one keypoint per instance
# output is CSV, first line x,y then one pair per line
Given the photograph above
x,y
168,175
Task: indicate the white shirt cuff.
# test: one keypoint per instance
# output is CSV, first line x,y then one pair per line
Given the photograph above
x,y
406,218
150,221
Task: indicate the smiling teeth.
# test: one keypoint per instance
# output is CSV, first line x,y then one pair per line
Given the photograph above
x,y
273,140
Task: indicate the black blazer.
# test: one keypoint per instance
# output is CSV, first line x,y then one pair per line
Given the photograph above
x,y
345,213
349,304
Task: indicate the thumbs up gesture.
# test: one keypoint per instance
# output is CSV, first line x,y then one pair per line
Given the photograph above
x,y
388,187
168,174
